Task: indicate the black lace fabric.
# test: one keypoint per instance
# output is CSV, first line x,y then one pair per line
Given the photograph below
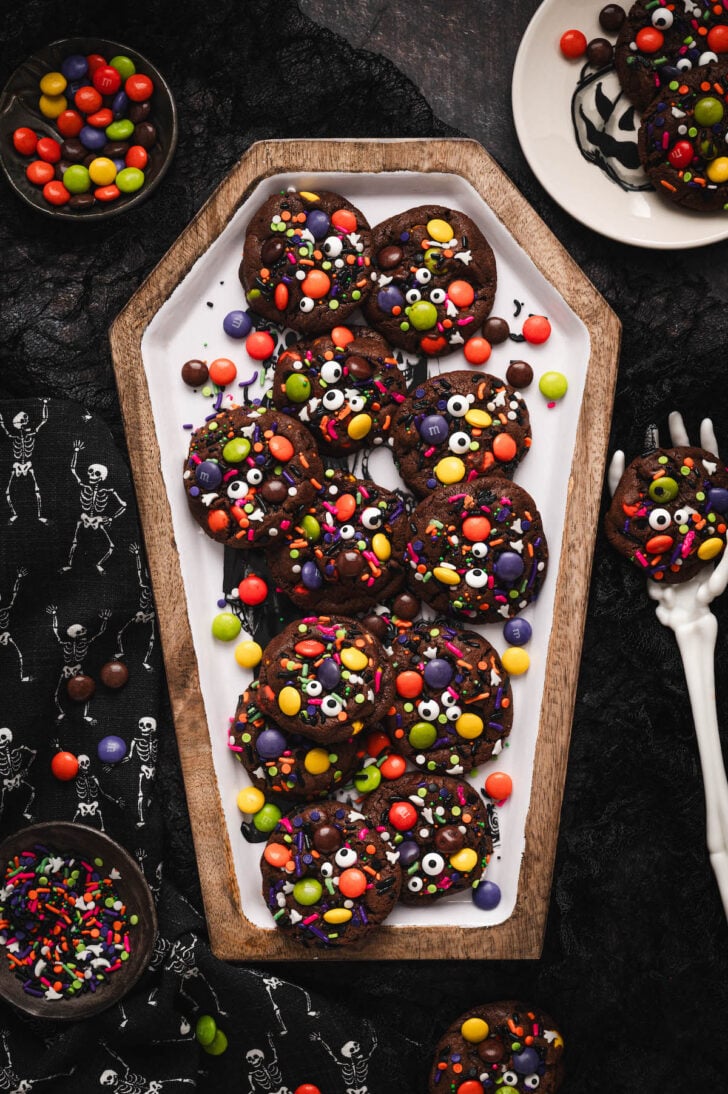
x,y
635,962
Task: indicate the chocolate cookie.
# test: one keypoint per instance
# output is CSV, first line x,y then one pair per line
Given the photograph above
x,y
682,140
668,514
453,707
457,426
248,474
306,260
287,764
657,43
477,550
326,677
338,555
440,828
345,391
504,1046
434,280
328,879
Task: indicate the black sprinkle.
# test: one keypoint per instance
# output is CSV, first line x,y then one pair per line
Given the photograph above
x,y
517,337
209,304
517,304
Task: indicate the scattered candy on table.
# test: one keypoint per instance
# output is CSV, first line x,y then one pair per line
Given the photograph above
x,y
64,927
212,1039
536,330
573,44
553,385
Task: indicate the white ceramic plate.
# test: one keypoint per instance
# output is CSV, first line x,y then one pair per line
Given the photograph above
x,y
189,325
549,94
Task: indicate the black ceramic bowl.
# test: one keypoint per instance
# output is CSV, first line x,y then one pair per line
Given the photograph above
x,y
19,107
78,841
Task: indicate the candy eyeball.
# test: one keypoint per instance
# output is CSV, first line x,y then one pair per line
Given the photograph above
x,y
433,864
682,516
476,579
448,699
345,857
254,475
326,869
662,19
331,372
684,65
412,296
437,296
459,442
479,550
457,406
372,518
423,275
415,884
305,304
330,706
237,490
313,688
428,709
453,713
333,399
532,1082
356,401
332,247
509,1078
347,531
707,58
659,520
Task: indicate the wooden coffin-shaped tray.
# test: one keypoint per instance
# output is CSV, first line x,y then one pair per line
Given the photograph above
x,y
177,315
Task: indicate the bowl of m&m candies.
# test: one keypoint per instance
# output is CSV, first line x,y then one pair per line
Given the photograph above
x,y
88,128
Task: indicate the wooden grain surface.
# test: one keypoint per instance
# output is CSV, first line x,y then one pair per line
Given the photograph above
x,y
232,936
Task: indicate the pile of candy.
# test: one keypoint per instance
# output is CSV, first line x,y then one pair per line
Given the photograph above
x,y
63,926
101,111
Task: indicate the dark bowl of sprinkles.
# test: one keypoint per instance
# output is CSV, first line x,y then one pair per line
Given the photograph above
x,y
77,921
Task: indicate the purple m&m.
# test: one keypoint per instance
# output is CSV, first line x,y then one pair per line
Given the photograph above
x,y
311,576
120,104
111,749
74,66
237,324
329,674
318,223
93,139
438,673
270,744
719,499
409,852
208,474
390,298
526,1061
434,429
487,895
517,631
508,566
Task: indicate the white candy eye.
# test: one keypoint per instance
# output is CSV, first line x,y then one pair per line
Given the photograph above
x,y
423,275
437,296
346,856
458,405
314,688
372,517
333,399
459,442
415,884
707,58
237,489
428,709
659,519
412,296
684,64
510,1078
326,869
476,578
433,864
254,476
662,19
448,699
305,304
681,516
330,706
356,401
532,1082
332,247
331,372
347,531
453,713
479,550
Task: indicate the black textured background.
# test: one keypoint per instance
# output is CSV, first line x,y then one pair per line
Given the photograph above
x,y
635,963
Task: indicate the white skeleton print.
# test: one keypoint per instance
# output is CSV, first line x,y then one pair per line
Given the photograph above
x,y
23,444
14,766
352,1062
10,1081
89,793
6,639
146,748
179,958
145,613
75,647
264,1076
96,499
131,1083
271,983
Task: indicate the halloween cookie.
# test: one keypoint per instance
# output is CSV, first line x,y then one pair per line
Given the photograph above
x,y
682,139
440,828
338,555
433,280
476,550
248,474
285,763
453,707
505,1046
344,387
326,677
658,43
669,512
306,260
458,425
328,879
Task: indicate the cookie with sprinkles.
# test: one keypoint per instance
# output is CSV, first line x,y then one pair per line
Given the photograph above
x,y
344,387
657,43
248,474
337,556
306,260
458,425
453,706
682,139
283,763
326,677
502,1046
328,878
477,550
440,828
669,513
433,280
